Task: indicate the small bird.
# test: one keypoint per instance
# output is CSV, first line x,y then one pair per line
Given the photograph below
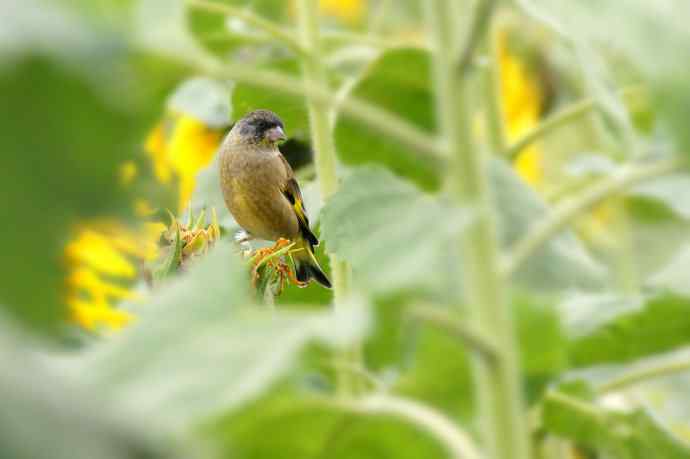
x,y
261,192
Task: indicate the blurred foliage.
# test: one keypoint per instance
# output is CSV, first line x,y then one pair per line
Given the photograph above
x,y
108,120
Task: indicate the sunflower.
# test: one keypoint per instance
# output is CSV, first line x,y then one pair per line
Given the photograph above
x,y
104,258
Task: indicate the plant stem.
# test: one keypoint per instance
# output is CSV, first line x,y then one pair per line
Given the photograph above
x,y
497,380
325,161
492,89
638,375
557,120
569,209
478,28
458,443
275,31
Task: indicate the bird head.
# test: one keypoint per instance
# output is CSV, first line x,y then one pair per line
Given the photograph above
x,y
260,127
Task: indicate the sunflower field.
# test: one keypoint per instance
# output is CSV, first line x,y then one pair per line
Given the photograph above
x,y
501,190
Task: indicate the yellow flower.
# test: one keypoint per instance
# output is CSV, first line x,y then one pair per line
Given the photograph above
x,y
104,257
99,259
181,146
522,102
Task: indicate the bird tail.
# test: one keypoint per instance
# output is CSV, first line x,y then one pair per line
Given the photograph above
x,y
306,266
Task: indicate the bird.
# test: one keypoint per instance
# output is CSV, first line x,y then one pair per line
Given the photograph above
x,y
262,194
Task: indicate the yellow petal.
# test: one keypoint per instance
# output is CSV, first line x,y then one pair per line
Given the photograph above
x,y
156,149
97,251
88,281
93,316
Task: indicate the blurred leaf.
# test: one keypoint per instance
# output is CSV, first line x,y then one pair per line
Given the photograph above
x,y
46,417
172,260
389,84
654,36
394,235
673,191
205,99
221,352
397,237
447,382
621,435
544,354
621,330
291,109
676,275
519,207
304,427
60,163
224,35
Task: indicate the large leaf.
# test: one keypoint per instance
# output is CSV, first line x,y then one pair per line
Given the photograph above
x,y
394,235
615,329
654,36
397,237
621,435
224,35
390,84
305,427
46,416
200,329
676,275
291,109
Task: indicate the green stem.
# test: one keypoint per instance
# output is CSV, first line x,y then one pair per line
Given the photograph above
x,y
325,160
638,375
569,209
458,443
376,41
555,121
478,29
497,380
275,31
492,87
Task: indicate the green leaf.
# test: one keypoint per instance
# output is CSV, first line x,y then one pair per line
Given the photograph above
x,y
173,258
394,235
676,275
224,35
45,415
397,237
305,427
673,191
200,327
390,84
620,435
291,109
654,37
612,329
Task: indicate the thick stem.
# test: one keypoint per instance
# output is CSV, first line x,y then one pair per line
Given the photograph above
x,y
325,161
497,380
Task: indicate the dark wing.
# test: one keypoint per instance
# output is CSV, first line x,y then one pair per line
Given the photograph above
x,y
294,196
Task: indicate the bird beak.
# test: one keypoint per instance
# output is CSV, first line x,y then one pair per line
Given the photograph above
x,y
276,134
